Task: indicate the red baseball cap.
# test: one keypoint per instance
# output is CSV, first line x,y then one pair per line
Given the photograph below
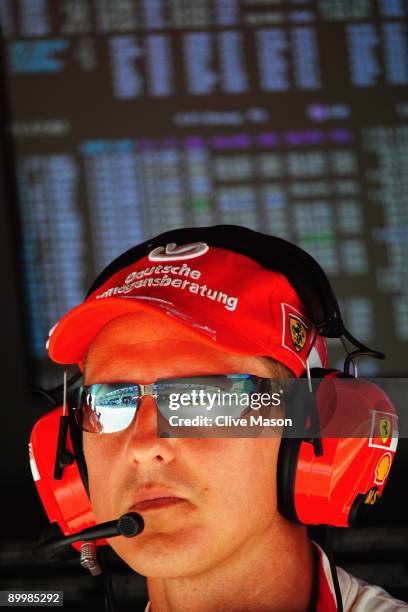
x,y
224,297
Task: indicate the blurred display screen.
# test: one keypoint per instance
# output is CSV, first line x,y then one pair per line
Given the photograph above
x,y
132,117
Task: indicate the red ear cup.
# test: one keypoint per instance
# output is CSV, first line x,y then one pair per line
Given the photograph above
x,y
329,489
66,501
349,476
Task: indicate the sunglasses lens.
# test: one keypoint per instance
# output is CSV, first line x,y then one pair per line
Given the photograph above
x,y
106,408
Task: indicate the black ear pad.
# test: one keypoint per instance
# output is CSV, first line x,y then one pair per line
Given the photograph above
x,y
286,476
298,406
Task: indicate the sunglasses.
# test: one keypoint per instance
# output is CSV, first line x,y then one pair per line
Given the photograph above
x,y
111,407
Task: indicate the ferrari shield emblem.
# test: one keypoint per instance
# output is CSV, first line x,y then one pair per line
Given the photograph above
x,y
384,426
384,431
298,332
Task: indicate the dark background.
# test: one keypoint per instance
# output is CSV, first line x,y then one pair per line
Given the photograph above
x,y
121,120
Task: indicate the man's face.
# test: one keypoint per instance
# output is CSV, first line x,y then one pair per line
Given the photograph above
x,y
221,493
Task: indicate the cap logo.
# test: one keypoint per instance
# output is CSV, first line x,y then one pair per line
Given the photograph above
x,y
298,332
296,336
173,251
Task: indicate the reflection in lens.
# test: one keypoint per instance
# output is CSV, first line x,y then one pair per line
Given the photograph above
x,y
108,408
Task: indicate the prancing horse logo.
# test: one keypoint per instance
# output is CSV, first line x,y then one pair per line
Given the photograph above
x,y
384,425
298,332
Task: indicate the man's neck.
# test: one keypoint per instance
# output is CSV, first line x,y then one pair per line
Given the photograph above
x,y
273,573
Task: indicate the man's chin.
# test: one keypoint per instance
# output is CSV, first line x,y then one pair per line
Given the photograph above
x,y
162,555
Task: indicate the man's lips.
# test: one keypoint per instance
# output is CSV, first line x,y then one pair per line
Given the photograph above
x,y
156,504
155,500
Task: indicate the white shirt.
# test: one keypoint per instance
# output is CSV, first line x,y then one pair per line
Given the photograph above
x,y
357,595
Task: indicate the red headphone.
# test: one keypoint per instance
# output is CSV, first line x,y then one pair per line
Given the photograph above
x,y
326,486
322,479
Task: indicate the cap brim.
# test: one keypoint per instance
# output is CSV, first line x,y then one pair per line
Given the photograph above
x,y
70,339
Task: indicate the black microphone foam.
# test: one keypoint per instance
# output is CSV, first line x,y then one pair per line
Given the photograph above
x,y
130,524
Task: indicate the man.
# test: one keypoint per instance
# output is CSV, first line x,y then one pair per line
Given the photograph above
x,y
213,538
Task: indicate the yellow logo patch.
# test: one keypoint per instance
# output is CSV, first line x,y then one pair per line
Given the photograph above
x,y
298,332
384,431
385,428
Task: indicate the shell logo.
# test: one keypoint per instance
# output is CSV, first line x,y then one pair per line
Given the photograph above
x,y
383,468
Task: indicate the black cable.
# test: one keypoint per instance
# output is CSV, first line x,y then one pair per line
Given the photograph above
x,y
110,604
361,346
359,353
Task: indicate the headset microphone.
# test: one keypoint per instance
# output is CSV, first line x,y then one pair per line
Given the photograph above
x,y
128,525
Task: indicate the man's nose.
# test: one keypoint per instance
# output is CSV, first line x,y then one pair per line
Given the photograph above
x,y
143,444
